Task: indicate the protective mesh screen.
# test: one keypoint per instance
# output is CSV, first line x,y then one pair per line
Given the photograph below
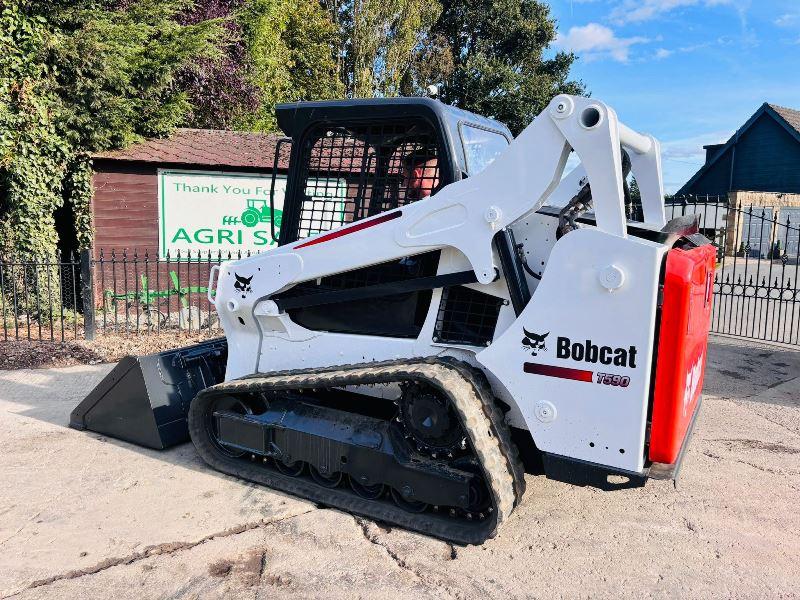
x,y
466,316
360,171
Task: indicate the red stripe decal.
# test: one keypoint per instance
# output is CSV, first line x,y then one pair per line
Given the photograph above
x,y
348,230
562,372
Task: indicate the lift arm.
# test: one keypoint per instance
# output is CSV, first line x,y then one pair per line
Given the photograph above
x,y
467,214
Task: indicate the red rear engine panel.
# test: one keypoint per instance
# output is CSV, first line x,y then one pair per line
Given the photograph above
x,y
682,343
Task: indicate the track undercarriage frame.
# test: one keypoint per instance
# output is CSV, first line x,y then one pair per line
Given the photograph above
x,y
251,438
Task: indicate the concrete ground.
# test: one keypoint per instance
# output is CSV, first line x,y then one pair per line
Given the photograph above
x,y
83,516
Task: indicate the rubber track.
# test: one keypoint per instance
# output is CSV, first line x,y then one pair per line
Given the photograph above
x,y
468,391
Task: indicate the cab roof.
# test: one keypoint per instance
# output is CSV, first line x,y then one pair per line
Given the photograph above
x,y
293,117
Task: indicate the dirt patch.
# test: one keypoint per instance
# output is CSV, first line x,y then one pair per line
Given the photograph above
x,y
252,568
248,569
24,354
113,348
37,355
221,568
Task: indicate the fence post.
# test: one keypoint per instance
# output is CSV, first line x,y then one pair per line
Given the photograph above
x,y
87,294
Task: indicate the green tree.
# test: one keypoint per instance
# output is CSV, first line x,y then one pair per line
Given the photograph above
x,y
291,46
79,76
381,43
32,153
499,67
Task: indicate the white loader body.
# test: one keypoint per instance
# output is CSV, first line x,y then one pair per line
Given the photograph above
x,y
581,381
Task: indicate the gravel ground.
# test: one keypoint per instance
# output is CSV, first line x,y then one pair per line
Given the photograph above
x,y
82,516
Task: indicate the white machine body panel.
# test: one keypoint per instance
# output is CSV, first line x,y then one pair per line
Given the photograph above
x,y
568,405
595,286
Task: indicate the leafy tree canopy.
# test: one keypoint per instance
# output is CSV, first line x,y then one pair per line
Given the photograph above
x,y
499,69
81,76
291,46
381,42
78,76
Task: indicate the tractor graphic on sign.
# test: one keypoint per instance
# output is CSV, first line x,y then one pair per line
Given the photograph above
x,y
258,211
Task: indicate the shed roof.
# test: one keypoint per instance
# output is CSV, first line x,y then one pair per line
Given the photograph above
x,y
206,147
790,115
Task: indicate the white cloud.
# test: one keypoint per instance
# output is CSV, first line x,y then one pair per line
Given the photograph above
x,y
788,20
690,150
683,157
663,53
595,41
634,11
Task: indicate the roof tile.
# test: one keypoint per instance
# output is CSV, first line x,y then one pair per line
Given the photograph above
x,y
791,116
206,147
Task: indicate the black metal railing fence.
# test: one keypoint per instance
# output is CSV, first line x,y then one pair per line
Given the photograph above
x,y
40,298
135,292
138,292
756,293
104,292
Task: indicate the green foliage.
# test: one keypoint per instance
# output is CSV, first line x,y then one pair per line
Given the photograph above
x,y
32,153
488,55
291,45
114,70
636,194
381,43
498,64
78,77
77,190
82,76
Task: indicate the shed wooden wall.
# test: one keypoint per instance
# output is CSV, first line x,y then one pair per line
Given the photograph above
x,y
125,207
125,220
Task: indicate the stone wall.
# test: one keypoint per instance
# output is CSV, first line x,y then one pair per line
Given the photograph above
x,y
744,200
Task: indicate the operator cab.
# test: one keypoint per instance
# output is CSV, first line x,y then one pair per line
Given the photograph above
x,y
352,159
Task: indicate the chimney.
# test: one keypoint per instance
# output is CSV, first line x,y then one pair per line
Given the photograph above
x,y
712,150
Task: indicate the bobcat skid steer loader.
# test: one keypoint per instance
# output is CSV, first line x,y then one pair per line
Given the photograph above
x,y
445,310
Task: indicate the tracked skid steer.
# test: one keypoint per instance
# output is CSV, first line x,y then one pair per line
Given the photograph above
x,y
445,310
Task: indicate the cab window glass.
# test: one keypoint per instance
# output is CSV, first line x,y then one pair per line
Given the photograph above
x,y
481,147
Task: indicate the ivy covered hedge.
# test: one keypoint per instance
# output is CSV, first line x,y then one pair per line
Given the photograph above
x,y
78,77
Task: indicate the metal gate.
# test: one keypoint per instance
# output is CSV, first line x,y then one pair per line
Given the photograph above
x,y
758,263
757,231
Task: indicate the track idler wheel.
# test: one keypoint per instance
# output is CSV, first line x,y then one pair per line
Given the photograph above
x,y
329,481
404,501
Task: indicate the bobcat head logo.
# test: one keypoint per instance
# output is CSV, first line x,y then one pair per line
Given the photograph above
x,y
534,342
242,284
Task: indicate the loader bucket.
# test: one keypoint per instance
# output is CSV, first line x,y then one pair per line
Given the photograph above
x,y
145,399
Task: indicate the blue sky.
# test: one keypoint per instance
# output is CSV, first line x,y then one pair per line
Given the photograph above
x,y
688,71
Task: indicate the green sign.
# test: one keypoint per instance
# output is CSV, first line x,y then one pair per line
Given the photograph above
x,y
204,213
